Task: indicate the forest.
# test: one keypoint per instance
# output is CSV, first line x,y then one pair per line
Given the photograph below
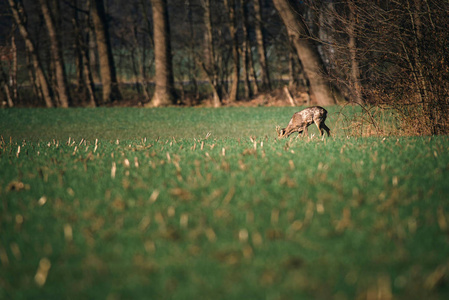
x,y
72,53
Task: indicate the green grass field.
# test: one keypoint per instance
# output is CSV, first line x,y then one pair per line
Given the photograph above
x,y
128,203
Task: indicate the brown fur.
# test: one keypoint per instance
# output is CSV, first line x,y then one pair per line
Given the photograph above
x,y
303,119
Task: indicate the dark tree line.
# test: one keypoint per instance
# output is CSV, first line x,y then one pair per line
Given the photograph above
x,y
93,52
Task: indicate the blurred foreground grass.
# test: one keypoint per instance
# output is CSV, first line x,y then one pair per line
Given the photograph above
x,y
236,215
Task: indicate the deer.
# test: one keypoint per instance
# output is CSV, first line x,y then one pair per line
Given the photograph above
x,y
303,119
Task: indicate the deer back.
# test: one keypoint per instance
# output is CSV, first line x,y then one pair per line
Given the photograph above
x,y
307,116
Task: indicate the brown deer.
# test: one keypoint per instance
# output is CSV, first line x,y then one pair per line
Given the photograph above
x,y
302,119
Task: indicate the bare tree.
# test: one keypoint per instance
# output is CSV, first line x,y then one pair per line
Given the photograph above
x,y
261,50
147,28
139,57
164,91
8,80
209,64
92,52
6,55
385,55
108,75
56,54
307,51
19,16
246,52
6,87
233,24
85,82
355,85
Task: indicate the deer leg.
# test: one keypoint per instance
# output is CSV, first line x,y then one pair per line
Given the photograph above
x,y
319,126
302,130
326,128
305,132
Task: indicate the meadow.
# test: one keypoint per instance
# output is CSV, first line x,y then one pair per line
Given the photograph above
x,y
198,203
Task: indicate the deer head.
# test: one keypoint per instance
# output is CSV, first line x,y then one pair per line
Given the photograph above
x,y
280,132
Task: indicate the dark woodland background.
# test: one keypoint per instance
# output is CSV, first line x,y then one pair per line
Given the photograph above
x,y
70,53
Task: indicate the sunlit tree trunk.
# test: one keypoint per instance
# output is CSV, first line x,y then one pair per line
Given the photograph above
x,y
307,52
108,75
164,91
262,53
56,54
18,13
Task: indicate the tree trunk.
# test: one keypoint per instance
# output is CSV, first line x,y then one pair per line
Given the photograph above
x,y
292,71
18,13
325,15
209,65
307,51
108,75
424,86
8,80
164,91
6,87
262,53
251,70
245,52
148,27
140,72
84,72
135,62
356,87
56,54
31,75
233,93
92,52
139,66
14,67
